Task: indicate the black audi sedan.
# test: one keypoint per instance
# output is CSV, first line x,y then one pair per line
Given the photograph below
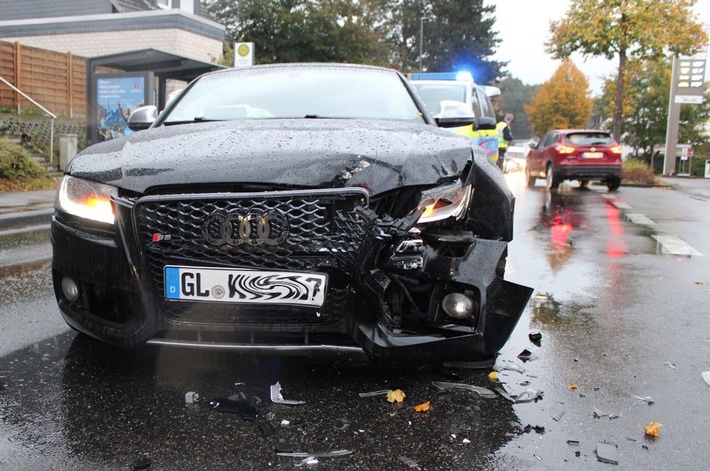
x,y
311,209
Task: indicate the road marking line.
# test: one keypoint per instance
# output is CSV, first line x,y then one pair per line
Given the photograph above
x,y
672,245
640,219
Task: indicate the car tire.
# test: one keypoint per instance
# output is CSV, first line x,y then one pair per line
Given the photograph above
x,y
613,183
551,181
530,178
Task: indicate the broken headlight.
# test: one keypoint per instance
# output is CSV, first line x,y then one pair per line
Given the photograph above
x,y
86,199
445,201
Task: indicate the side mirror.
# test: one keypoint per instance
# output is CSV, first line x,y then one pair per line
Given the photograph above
x,y
455,114
141,118
485,122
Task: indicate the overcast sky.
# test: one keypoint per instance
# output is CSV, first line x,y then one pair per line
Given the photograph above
x,y
523,26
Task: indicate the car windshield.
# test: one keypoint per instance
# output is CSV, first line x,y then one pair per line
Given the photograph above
x,y
433,94
590,138
296,92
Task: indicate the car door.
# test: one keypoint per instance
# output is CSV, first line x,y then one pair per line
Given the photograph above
x,y
533,159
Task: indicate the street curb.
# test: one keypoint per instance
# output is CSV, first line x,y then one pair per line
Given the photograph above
x,y
24,219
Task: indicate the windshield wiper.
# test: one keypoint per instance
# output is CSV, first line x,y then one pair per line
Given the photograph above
x,y
197,119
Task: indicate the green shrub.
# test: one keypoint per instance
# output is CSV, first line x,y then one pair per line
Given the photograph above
x,y
636,171
16,163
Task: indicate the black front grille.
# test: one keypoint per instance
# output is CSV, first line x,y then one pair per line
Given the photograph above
x,y
323,235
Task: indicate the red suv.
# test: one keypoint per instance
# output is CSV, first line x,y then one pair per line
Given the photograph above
x,y
575,154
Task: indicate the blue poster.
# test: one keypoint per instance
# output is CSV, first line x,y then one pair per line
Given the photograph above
x,y
116,98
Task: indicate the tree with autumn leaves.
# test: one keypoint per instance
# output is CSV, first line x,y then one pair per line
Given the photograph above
x,y
562,102
626,30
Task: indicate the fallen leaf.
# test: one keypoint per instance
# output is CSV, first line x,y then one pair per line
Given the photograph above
x,y
698,282
396,395
653,429
493,376
423,407
573,385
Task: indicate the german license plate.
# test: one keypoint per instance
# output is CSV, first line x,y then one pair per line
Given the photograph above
x,y
592,155
244,286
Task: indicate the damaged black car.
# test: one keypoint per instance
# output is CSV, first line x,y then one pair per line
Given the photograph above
x,y
310,209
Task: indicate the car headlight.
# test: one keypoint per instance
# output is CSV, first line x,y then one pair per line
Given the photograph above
x,y
444,202
86,199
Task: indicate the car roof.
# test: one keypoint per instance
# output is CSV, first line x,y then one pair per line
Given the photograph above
x,y
305,65
571,131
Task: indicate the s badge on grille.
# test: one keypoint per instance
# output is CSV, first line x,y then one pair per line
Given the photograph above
x,y
158,237
253,229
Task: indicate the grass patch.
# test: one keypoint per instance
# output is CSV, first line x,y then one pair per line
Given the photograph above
x,y
19,172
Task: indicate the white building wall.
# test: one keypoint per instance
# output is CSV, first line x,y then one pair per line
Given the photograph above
x,y
104,43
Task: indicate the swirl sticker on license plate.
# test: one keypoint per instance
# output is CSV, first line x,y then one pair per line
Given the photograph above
x,y
244,286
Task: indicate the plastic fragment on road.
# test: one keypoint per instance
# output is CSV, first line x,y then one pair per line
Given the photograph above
x,y
573,442
599,414
573,385
308,454
278,398
466,441
647,399
706,377
241,407
493,376
424,407
409,462
515,368
653,429
396,395
525,355
607,453
483,392
538,457
670,364
535,337
380,392
530,395
558,417
192,397
500,390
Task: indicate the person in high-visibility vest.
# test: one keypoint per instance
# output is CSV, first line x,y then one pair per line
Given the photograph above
x,y
504,138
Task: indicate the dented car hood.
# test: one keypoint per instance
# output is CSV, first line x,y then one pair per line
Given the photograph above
x,y
378,155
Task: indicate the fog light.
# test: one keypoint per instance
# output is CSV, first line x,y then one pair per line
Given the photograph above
x,y
457,305
70,289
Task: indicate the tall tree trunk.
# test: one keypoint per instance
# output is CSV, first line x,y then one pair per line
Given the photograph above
x,y
619,98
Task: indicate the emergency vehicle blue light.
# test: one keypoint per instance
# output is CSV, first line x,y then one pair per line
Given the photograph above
x,y
464,75
442,76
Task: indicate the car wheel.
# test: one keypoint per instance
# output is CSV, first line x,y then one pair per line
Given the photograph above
x,y
531,178
613,183
550,180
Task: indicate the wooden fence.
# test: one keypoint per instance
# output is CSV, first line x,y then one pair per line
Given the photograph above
x,y
55,80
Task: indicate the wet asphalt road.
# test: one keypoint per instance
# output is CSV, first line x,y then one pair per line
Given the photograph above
x,y
618,320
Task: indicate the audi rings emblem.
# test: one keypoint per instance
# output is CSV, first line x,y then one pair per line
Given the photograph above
x,y
251,229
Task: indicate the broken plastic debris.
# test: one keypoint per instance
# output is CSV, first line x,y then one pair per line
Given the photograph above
x,y
538,457
279,399
396,396
483,392
607,453
241,407
529,396
558,417
653,429
671,365
409,462
525,355
535,337
424,407
500,390
573,385
285,423
380,392
706,376
510,368
466,441
267,429
308,454
647,399
573,442
614,416
537,428
493,376
191,397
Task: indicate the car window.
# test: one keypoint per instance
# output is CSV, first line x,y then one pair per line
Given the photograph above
x,y
434,94
546,140
590,138
486,104
273,92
